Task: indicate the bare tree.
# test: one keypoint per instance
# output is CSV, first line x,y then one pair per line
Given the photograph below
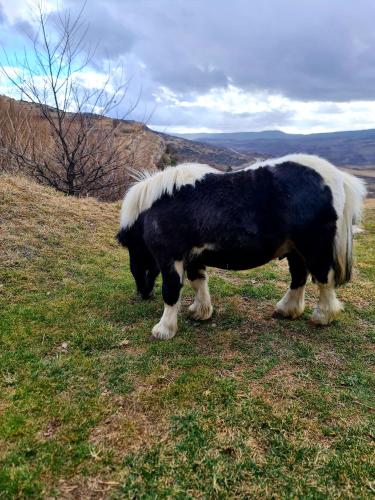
x,y
82,152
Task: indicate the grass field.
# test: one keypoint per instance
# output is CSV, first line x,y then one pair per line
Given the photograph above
x,y
241,406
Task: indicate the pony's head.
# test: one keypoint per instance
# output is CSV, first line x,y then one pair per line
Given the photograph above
x,y
142,264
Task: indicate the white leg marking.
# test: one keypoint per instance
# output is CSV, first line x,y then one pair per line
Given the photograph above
x,y
201,308
167,326
328,306
179,266
292,304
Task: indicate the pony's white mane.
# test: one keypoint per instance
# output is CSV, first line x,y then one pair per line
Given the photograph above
x,y
150,187
330,174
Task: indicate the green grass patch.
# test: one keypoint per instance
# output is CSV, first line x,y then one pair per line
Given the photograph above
x,y
242,406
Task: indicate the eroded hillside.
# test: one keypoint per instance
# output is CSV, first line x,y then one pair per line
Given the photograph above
x,y
24,129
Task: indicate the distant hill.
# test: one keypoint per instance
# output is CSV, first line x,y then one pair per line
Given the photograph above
x,y
178,149
350,148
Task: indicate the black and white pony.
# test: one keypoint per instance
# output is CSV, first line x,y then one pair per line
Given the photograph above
x,y
185,218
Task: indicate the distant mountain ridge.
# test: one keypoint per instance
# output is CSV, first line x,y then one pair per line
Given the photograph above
x,y
354,148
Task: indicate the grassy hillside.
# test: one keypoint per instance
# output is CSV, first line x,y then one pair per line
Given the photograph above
x,y
243,405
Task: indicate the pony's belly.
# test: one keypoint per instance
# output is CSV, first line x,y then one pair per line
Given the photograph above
x,y
236,260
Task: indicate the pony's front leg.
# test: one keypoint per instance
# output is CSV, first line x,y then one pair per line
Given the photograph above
x,y
292,304
172,283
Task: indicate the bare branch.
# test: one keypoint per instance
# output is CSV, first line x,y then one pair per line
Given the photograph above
x,y
64,138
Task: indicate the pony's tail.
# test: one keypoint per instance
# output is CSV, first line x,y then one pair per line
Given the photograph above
x,y
355,192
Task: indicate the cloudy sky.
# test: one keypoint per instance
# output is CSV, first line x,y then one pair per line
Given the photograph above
x,y
228,65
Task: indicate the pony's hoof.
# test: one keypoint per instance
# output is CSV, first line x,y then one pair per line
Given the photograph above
x,y
320,319
280,314
201,312
315,321
323,317
163,331
292,305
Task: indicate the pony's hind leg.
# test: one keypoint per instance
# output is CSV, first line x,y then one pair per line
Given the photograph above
x,y
320,263
328,306
201,308
172,283
292,304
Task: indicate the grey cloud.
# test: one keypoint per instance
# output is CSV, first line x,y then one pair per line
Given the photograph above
x,y
24,28
2,14
310,50
212,119
314,50
329,108
106,31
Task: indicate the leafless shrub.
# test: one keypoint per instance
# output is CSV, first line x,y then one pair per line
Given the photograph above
x,y
63,138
